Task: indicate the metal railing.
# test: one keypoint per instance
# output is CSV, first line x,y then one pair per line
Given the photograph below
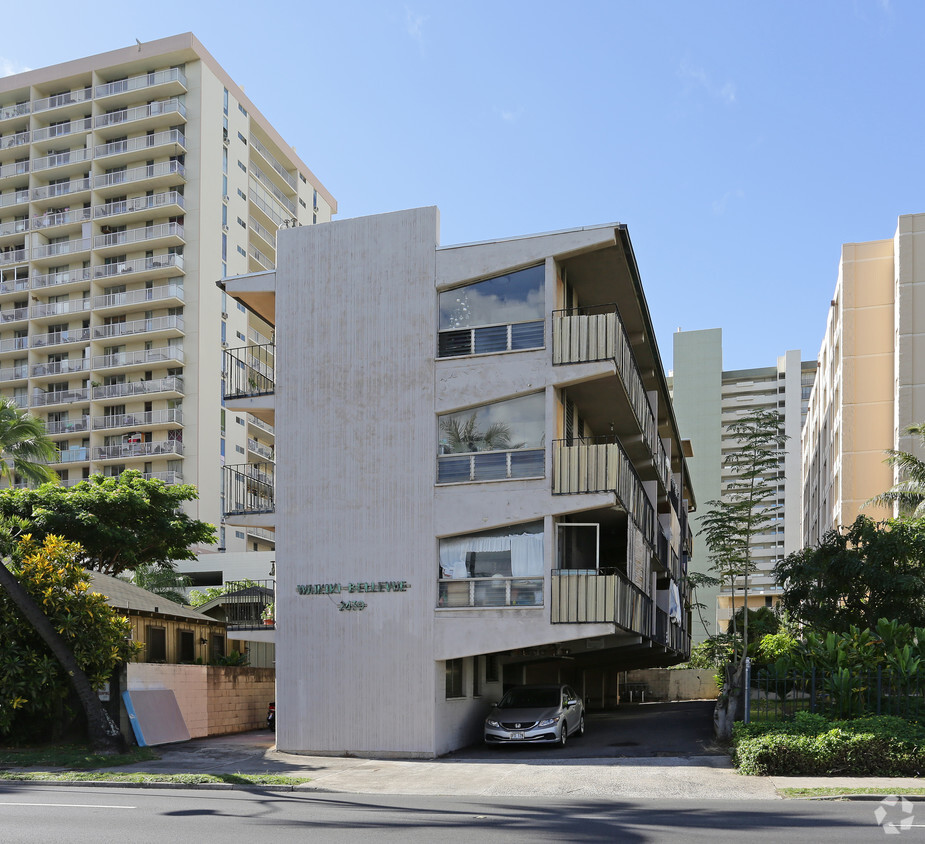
x,y
137,297
83,124
40,399
60,367
486,339
171,384
17,140
605,595
14,255
249,371
57,100
491,465
15,110
260,258
59,159
62,218
249,489
57,338
17,197
287,177
491,592
130,115
68,426
265,451
17,168
139,357
14,372
138,326
156,262
66,277
14,315
14,227
142,142
139,235
71,306
138,203
138,420
139,174
66,247
61,189
148,449
278,195
248,604
137,83
72,455
599,464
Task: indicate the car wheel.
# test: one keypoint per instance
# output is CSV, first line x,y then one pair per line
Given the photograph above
x,y
581,726
563,734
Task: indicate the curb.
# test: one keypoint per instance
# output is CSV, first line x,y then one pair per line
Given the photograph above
x,y
205,786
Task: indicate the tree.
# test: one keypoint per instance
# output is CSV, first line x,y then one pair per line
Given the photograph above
x,y
25,449
120,523
165,581
466,436
858,575
909,492
749,504
73,637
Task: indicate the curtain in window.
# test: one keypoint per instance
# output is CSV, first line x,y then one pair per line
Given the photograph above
x,y
526,553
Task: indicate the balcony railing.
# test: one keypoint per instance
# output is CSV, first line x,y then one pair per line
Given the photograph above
x,y
17,197
139,235
60,367
66,247
600,596
599,464
68,426
14,315
263,231
260,258
139,357
62,218
581,335
138,203
491,465
14,344
60,397
17,140
171,384
278,195
287,177
137,83
171,477
71,306
83,124
249,489
491,592
266,203
14,285
247,604
138,420
14,373
249,371
66,277
72,455
149,449
59,159
17,168
157,262
14,255
143,142
14,227
57,338
16,110
130,115
139,174
61,189
58,100
138,326
264,451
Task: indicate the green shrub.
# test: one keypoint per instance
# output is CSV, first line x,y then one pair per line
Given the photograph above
x,y
809,745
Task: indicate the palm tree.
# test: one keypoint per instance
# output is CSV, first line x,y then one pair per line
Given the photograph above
x,y
909,492
25,449
466,436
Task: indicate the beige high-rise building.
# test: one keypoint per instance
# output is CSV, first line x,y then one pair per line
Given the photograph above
x,y
870,384
130,182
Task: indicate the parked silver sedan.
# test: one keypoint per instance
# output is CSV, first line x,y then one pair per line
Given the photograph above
x,y
536,715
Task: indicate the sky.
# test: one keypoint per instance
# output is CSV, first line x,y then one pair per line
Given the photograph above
x,y
741,143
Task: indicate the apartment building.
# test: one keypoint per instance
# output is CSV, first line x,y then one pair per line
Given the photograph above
x,y
708,400
129,182
870,385
480,482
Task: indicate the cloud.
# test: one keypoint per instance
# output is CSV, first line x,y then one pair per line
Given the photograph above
x,y
414,25
719,205
8,67
697,77
509,115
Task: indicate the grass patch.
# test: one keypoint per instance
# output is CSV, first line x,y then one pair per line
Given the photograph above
x,y
126,776
70,756
847,792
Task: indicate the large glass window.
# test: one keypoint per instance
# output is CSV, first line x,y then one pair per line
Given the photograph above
x,y
501,314
497,441
497,568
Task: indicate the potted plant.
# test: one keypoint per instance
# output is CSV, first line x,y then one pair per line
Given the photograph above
x,y
269,614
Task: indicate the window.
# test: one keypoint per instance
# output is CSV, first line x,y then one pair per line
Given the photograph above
x,y
241,251
492,668
242,138
454,678
242,194
156,641
477,676
216,645
493,442
496,568
239,534
242,165
186,646
225,100
501,314
242,109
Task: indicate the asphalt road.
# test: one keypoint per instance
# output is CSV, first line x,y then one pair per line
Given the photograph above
x,y
77,814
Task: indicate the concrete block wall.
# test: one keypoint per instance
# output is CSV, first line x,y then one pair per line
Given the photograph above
x,y
668,684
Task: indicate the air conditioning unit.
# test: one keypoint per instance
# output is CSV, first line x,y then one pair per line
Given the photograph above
x,y
225,198
225,141
225,227
224,314
316,209
224,345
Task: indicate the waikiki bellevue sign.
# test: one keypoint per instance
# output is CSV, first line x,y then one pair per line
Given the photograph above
x,y
361,587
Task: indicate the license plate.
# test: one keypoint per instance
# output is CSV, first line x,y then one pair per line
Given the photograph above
x,y
516,736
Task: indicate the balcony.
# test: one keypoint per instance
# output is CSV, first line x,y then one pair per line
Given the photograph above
x,y
248,604
67,426
261,450
151,449
284,174
170,477
672,636
12,255
268,236
13,315
56,250
278,195
72,455
9,112
249,489
61,159
83,274
52,397
14,373
14,285
152,237
167,325
115,151
54,309
60,130
70,188
168,203
13,228
582,335
172,384
17,168
158,265
13,141
148,419
602,596
140,117
491,465
60,367
172,80
14,344
270,208
16,197
495,591
263,261
74,216
599,464
60,100
249,371
142,358
60,338
164,173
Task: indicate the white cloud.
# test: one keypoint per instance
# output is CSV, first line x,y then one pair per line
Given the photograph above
x,y
414,25
697,77
8,67
719,205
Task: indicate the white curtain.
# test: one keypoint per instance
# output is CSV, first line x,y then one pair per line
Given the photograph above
x,y
526,553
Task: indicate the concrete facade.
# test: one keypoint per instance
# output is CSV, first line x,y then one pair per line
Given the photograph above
x,y
707,400
393,636
129,182
870,385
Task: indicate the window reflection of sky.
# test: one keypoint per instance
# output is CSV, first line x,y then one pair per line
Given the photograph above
x,y
524,418
515,297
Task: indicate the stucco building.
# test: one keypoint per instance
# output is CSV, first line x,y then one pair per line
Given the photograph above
x,y
707,400
870,385
481,479
126,179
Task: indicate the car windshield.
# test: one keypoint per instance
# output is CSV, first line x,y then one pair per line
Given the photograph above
x,y
529,698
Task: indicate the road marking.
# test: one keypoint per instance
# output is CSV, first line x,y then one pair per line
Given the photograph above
x,y
67,805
